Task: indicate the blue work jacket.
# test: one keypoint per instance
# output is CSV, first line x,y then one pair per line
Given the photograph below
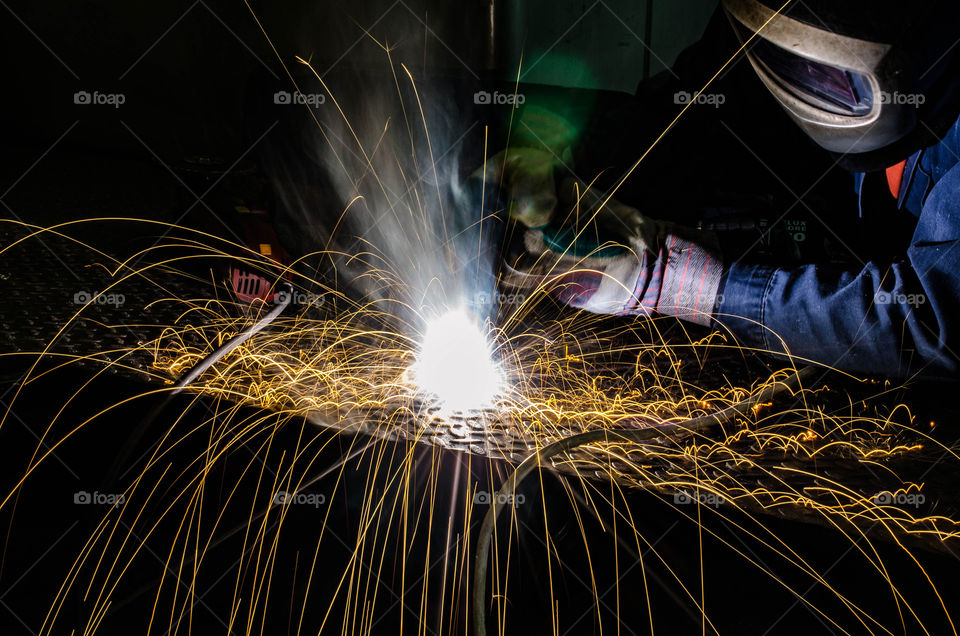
x,y
895,318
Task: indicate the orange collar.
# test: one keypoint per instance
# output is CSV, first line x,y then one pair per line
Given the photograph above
x,y
894,177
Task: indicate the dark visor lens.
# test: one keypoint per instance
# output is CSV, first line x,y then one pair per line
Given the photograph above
x,y
847,91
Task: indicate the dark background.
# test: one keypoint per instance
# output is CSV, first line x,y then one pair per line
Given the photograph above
x,y
198,81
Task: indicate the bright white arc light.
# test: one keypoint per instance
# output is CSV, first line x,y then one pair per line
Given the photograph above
x,y
455,364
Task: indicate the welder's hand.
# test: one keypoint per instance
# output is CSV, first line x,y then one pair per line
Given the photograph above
x,y
675,272
527,178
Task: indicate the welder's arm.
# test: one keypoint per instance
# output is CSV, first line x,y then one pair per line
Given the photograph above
x,y
654,268
894,319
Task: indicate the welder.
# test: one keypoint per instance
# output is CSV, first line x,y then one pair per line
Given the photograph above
x,y
873,83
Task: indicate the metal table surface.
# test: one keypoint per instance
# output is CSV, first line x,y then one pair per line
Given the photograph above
x,y
43,280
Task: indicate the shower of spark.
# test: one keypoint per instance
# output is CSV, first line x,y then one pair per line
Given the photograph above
x,y
347,365
357,359
455,364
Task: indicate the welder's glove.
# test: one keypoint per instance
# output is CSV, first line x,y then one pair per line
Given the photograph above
x,y
678,276
644,267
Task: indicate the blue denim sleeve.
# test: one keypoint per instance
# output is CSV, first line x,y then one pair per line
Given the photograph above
x,y
893,319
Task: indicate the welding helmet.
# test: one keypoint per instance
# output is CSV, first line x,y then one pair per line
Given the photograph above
x,y
872,81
